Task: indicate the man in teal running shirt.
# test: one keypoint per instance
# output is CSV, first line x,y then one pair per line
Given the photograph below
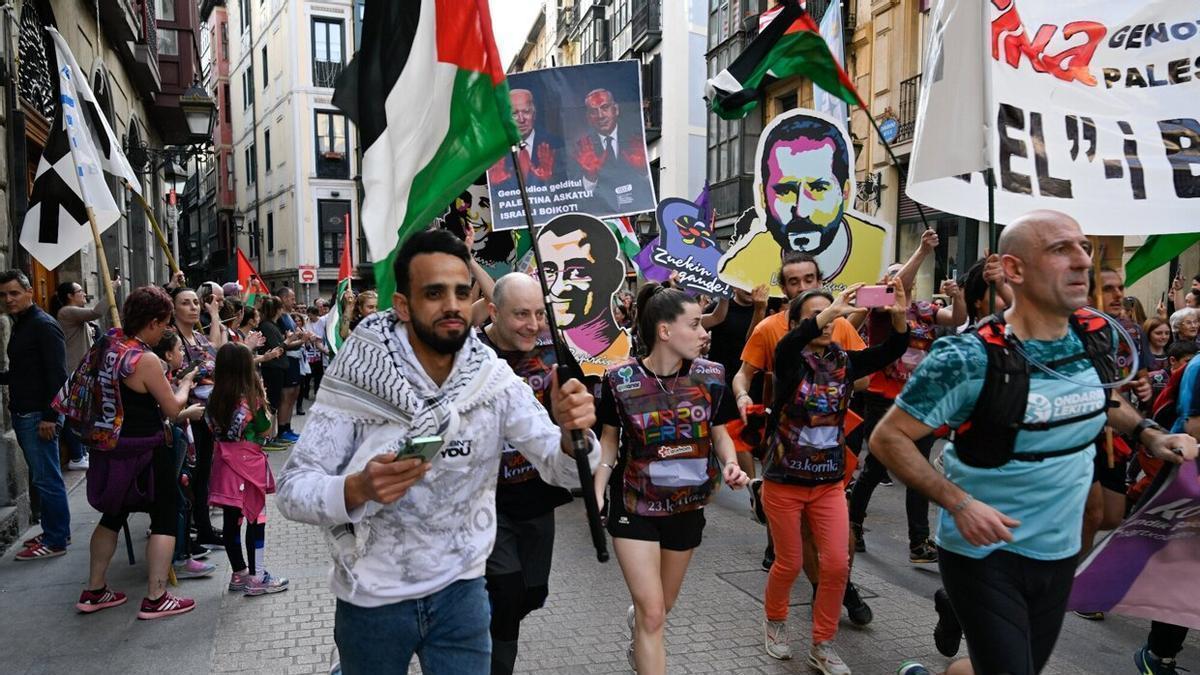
x,y
1008,536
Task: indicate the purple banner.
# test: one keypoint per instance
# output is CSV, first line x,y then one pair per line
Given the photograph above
x,y
1148,566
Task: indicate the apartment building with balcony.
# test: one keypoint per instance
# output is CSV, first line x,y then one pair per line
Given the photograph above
x,y
294,169
206,227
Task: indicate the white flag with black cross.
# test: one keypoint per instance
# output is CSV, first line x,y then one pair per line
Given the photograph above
x,y
70,176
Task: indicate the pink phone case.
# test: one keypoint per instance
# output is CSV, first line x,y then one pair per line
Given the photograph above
x,y
875,296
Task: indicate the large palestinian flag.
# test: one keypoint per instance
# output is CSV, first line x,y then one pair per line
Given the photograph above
x,y
428,94
791,44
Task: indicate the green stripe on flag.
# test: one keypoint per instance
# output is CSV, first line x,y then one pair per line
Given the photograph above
x,y
333,321
480,132
1158,250
802,53
627,239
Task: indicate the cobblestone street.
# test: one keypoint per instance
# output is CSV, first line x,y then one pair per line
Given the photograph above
x,y
715,628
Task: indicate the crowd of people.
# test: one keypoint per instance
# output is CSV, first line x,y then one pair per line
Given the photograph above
x,y
170,414
442,438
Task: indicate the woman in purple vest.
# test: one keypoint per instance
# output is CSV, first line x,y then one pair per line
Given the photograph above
x,y
803,467
664,421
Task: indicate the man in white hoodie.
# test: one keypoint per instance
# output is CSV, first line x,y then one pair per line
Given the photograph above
x,y
410,538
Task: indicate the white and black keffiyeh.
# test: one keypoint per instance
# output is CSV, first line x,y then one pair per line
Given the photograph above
x,y
376,379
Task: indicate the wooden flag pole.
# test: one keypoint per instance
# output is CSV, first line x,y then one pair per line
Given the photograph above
x,y
158,233
1098,303
105,274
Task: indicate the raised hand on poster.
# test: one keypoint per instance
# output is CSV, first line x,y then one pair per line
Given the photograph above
x,y
582,148
687,245
804,191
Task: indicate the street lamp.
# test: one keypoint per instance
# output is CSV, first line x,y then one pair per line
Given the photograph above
x,y
644,226
200,112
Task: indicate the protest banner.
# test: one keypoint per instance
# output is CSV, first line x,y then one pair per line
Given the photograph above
x,y
585,271
1083,107
496,252
804,193
687,245
1130,571
583,147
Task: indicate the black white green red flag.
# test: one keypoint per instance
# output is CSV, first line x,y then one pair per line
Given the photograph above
x,y
791,44
428,93
333,324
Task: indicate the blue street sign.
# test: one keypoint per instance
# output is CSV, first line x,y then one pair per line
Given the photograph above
x,y
889,128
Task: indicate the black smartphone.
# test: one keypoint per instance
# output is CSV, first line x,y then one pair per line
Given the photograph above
x,y
425,447
188,368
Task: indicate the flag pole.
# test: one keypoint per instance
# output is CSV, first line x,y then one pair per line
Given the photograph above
x,y
105,276
993,237
892,155
158,233
346,247
578,443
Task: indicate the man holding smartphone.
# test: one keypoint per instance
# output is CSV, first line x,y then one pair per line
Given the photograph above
x,y
410,539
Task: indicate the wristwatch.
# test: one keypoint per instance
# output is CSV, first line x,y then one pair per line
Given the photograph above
x,y
1147,423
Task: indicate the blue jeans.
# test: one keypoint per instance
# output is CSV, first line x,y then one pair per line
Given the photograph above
x,y
75,451
42,458
447,630
182,541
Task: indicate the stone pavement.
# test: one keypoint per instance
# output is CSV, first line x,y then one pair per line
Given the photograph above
x,y
715,628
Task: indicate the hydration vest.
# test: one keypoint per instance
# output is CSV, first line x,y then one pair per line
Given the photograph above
x,y
988,438
805,443
666,436
535,368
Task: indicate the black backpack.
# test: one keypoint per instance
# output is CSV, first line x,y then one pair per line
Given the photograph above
x,y
988,438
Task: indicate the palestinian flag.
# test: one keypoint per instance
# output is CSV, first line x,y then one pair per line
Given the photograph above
x,y
333,324
428,94
791,44
248,278
627,238
1158,250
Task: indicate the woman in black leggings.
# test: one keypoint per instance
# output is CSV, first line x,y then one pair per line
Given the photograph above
x,y
134,466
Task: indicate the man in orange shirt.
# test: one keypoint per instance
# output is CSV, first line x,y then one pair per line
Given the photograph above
x,y
886,384
797,273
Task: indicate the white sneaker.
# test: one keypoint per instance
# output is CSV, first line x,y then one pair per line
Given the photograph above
x,y
823,658
630,618
80,464
775,639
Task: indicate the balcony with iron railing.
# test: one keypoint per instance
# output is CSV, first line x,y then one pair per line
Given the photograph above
x,y
567,18
647,23
325,73
910,93
145,69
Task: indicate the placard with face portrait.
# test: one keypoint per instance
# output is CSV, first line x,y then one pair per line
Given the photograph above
x,y
804,196
583,147
585,272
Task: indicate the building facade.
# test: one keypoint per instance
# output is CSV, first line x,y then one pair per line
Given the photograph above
x,y
293,178
140,56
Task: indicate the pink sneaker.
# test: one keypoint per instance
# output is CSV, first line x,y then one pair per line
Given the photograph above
x,y
94,601
166,605
237,582
193,569
264,584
